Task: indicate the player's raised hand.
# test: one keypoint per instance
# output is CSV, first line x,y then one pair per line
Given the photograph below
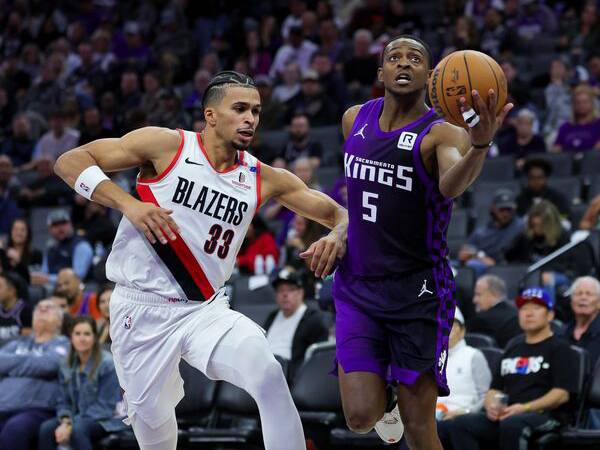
x,y
481,118
156,223
323,253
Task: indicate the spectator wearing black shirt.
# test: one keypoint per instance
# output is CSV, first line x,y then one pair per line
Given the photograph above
x,y
495,316
361,67
313,101
301,144
524,141
584,330
18,146
92,127
531,373
538,171
18,255
15,313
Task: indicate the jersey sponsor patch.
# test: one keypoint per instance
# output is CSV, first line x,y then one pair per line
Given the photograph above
x,y
407,140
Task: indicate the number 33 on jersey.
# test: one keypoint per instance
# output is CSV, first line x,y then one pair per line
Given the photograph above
x,y
213,211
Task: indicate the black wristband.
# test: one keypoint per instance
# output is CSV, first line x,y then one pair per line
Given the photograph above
x,y
480,147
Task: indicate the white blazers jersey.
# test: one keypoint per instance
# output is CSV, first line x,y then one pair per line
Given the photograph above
x,y
213,211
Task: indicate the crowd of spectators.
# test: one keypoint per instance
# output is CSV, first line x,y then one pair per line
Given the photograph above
x,y
73,72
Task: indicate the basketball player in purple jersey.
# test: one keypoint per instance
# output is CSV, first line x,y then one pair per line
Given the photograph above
x,y
394,290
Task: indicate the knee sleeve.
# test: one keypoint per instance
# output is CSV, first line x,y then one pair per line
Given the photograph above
x,y
163,437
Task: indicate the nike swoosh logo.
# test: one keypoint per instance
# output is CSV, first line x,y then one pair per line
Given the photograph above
x,y
187,160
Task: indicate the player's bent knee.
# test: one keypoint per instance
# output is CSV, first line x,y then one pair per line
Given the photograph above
x,y
269,377
361,422
163,437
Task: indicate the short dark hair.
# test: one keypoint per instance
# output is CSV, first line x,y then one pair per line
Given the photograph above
x,y
215,91
412,38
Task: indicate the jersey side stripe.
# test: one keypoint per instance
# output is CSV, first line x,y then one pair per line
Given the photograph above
x,y
179,259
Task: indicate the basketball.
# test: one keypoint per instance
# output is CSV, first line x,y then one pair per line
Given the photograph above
x,y
457,75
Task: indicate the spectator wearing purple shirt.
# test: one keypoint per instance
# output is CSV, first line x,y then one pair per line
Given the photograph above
x,y
583,132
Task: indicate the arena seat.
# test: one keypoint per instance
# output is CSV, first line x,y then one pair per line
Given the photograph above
x,y
257,313
570,187
327,176
242,294
482,192
492,356
36,293
501,168
479,340
465,284
590,163
459,224
513,275
562,163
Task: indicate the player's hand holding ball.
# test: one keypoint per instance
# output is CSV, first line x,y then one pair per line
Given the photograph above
x,y
156,223
323,253
468,89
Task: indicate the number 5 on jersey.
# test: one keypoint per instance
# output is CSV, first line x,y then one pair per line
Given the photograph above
x,y
368,203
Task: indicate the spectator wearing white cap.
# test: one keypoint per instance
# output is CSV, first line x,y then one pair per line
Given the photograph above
x,y
468,373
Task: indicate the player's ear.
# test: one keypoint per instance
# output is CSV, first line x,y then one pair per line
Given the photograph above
x,y
209,116
380,74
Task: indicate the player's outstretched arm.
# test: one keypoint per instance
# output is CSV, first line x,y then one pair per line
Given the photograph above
x,y
290,191
83,169
460,155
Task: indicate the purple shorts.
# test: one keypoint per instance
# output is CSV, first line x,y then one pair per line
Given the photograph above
x,y
397,327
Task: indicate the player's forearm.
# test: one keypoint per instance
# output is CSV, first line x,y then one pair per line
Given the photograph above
x,y
70,165
461,175
552,400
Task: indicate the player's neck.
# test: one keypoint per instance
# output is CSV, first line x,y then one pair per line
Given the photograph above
x,y
399,111
220,154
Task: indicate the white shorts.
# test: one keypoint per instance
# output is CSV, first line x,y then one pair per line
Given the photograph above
x,y
150,334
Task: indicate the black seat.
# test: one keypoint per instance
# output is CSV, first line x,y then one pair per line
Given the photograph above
x,y
501,168
513,275
570,187
479,340
562,163
459,224
327,176
493,356
482,192
465,284
242,294
258,313
590,163
198,401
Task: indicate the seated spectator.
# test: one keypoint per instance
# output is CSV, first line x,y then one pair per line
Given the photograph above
x,y
259,253
67,250
96,226
495,316
361,67
19,145
584,330
297,49
89,392
557,96
583,132
15,313
524,141
468,375
330,79
272,110
291,83
293,327
28,379
300,236
103,304
18,248
590,217
538,171
531,373
69,285
47,189
543,235
486,246
300,144
9,211
313,101
57,140
92,126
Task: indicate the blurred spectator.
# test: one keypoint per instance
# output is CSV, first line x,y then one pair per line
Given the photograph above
x,y
46,92
360,69
519,91
68,250
294,19
259,60
368,14
468,375
28,384
557,98
18,146
129,93
534,19
494,35
259,253
194,100
69,285
590,217
329,35
173,37
96,226
17,255
331,81
46,189
150,102
486,246
583,36
92,127
103,55
538,171
7,175
297,49
313,102
463,36
171,115
495,315
593,66
111,119
272,111
89,392
302,233
57,140
399,21
293,327
309,26
87,71
584,330
15,313
9,210
531,374
582,133
129,46
291,83
300,143
525,140
103,304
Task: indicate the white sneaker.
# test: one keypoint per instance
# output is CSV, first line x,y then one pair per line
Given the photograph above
x,y
390,427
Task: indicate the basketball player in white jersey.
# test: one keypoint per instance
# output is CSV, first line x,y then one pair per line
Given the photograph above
x,y
175,248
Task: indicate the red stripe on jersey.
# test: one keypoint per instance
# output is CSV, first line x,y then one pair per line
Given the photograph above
x,y
226,170
171,164
182,251
258,196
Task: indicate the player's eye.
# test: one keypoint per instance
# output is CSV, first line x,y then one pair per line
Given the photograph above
x,y
393,58
415,59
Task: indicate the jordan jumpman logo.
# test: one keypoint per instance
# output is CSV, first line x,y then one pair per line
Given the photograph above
x,y
424,289
361,131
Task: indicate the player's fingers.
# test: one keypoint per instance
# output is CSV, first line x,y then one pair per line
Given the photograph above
x,y
148,233
480,106
318,251
308,252
155,228
503,113
167,225
330,262
323,260
492,102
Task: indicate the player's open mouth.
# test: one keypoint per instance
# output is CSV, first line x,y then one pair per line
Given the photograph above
x,y
403,79
246,133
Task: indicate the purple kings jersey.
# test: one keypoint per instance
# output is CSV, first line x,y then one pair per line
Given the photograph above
x,y
398,218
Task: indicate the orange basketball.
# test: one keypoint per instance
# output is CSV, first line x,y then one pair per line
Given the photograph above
x,y
457,75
